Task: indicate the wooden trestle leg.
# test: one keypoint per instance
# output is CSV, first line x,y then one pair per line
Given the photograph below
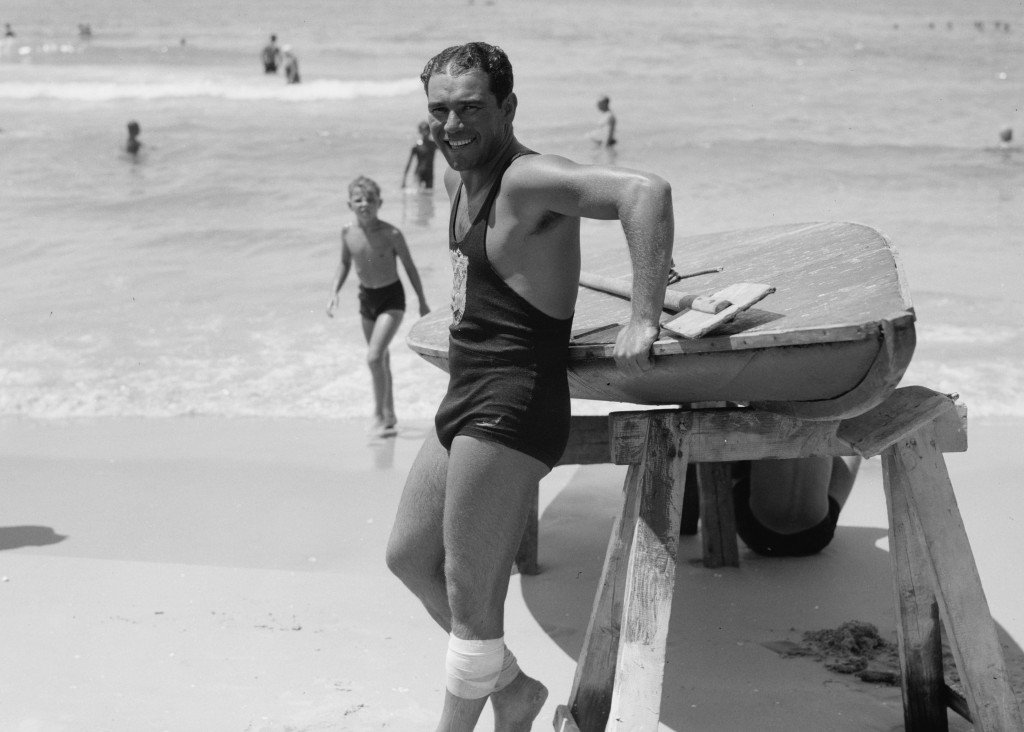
x,y
621,668
921,498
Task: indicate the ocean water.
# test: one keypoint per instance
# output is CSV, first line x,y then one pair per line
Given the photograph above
x,y
194,280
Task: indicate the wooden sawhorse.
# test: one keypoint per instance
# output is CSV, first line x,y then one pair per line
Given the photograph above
x,y
620,671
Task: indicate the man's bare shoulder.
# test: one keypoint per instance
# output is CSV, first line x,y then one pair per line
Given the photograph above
x,y
539,172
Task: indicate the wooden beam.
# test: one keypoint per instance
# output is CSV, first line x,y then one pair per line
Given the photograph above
x,y
964,609
722,435
898,416
526,555
564,721
725,435
691,503
717,515
650,580
917,612
590,698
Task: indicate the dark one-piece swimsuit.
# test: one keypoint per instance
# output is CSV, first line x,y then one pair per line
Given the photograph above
x,y
507,359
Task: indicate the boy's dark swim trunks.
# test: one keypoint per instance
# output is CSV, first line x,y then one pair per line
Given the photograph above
x,y
764,541
507,358
375,301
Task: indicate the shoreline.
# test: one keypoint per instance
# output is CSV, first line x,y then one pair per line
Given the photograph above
x,y
227,573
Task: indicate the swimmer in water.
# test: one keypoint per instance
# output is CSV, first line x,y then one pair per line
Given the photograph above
x,y
133,145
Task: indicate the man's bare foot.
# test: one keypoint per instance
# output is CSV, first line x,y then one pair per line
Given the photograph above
x,y
518,704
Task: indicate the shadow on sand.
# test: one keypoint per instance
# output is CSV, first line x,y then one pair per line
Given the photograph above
x,y
12,537
717,662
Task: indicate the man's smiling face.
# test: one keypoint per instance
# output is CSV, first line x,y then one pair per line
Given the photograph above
x,y
468,124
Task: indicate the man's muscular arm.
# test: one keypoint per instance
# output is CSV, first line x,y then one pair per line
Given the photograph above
x,y
642,202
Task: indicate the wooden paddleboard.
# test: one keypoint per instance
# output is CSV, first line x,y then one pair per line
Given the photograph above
x,y
831,341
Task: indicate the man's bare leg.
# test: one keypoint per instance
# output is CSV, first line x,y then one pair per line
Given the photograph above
x,y
487,502
415,550
416,556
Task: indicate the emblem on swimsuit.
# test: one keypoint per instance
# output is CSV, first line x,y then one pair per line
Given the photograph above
x,y
460,265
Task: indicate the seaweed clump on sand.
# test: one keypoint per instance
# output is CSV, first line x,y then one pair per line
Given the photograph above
x,y
855,647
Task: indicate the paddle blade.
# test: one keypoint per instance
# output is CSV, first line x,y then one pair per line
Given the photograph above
x,y
695,324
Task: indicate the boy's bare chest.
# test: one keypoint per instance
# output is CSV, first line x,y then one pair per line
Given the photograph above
x,y
372,248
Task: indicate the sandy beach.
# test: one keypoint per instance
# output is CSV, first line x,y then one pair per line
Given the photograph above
x,y
227,574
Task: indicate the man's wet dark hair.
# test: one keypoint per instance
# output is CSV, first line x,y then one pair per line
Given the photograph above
x,y
457,60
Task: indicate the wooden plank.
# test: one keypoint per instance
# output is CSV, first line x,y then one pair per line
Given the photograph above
x,y
902,413
526,555
650,580
751,434
691,503
964,609
955,701
917,610
717,515
564,721
694,323
590,698
718,435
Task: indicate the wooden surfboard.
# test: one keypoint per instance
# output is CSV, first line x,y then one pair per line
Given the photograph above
x,y
831,341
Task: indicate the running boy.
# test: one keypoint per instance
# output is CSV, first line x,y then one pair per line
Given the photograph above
x,y
374,245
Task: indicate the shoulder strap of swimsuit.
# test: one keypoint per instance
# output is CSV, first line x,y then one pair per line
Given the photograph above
x,y
485,210
455,210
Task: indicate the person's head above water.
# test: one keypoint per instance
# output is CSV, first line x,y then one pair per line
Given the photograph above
x,y
133,128
457,60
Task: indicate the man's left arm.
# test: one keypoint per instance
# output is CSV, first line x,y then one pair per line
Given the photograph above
x,y
642,202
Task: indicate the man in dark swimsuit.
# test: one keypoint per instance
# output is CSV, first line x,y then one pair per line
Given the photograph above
x,y
515,249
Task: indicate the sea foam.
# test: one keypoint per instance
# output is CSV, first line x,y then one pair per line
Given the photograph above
x,y
103,91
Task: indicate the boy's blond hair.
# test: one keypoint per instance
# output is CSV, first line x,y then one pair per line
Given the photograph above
x,y
366,185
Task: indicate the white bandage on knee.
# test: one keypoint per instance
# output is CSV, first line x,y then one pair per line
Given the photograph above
x,y
509,670
473,666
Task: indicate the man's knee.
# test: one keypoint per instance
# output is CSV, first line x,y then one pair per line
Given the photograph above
x,y
409,562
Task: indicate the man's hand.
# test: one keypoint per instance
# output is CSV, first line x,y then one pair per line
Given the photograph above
x,y
332,306
633,348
